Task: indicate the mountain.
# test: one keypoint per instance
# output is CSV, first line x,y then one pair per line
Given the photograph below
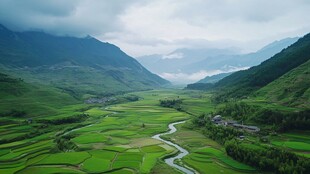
x,y
243,83
175,61
194,62
76,65
227,62
291,89
214,78
19,99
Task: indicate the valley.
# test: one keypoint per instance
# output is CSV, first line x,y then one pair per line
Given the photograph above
x,y
71,103
117,138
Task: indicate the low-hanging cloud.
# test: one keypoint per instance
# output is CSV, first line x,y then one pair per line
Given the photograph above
x,y
144,27
69,17
183,78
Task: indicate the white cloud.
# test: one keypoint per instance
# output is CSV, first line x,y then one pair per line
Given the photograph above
x,y
145,27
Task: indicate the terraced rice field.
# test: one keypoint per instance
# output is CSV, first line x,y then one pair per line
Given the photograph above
x,y
114,140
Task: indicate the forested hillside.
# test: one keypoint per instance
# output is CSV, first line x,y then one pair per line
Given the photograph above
x,y
243,83
291,89
20,99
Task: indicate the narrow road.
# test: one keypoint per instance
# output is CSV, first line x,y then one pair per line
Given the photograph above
x,y
183,152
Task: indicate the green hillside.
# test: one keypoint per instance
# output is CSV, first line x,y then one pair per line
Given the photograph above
x,y
20,99
214,78
291,89
243,83
76,65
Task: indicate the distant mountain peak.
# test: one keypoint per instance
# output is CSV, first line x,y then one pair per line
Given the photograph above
x,y
280,43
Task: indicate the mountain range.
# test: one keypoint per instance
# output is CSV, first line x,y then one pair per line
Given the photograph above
x,y
284,78
76,65
209,61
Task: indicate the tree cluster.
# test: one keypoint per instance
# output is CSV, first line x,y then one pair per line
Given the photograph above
x,y
268,159
66,120
219,134
171,103
282,121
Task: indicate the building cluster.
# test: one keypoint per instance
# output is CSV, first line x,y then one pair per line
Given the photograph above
x,y
232,123
99,100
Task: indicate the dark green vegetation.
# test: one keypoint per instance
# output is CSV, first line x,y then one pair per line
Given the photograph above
x,y
199,86
280,118
171,103
291,89
243,83
269,158
77,66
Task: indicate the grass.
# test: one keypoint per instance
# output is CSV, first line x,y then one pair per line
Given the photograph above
x,y
72,158
206,156
127,164
130,156
103,154
95,164
293,145
49,170
90,138
295,141
152,149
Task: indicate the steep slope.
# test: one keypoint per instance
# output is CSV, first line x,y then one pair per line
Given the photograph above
x,y
243,83
74,64
291,89
20,99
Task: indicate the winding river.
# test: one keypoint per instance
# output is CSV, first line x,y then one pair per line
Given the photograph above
x,y
183,152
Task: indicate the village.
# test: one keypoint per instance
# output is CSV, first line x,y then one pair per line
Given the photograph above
x,y
232,123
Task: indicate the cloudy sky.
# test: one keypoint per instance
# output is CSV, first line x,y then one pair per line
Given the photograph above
x,y
142,27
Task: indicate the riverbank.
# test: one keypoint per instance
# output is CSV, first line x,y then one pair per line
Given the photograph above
x,y
182,152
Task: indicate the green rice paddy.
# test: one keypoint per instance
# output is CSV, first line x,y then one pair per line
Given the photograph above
x,y
117,139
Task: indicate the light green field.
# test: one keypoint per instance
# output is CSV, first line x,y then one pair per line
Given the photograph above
x,y
295,141
116,139
293,145
72,158
95,164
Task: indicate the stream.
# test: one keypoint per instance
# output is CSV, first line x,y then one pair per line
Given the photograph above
x,y
183,152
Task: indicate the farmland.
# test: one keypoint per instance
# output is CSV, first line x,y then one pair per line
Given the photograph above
x,y
117,139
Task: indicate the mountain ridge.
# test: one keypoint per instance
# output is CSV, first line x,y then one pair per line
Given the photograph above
x,y
243,83
69,63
